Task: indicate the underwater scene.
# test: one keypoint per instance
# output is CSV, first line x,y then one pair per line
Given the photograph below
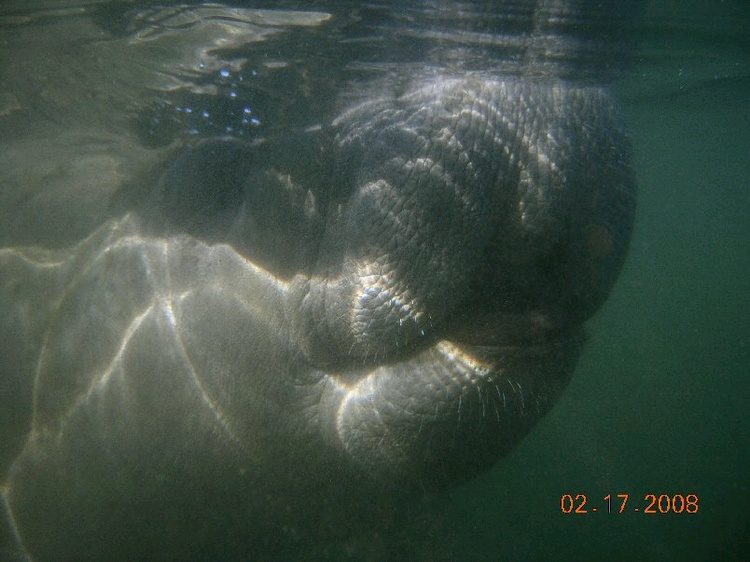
x,y
349,280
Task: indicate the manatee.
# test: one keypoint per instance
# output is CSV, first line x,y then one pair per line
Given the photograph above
x,y
280,338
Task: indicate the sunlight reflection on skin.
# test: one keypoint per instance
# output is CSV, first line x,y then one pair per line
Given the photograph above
x,y
155,255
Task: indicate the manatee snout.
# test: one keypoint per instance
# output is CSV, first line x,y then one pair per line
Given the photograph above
x,y
481,211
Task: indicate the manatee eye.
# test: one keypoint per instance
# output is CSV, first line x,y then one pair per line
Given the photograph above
x,y
599,242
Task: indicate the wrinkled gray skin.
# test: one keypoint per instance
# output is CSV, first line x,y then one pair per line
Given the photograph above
x,y
289,334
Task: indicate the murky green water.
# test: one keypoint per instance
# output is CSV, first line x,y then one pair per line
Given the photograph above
x,y
659,402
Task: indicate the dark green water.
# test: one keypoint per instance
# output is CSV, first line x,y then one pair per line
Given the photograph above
x,y
659,403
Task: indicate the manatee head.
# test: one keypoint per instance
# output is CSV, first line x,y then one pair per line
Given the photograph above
x,y
441,248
